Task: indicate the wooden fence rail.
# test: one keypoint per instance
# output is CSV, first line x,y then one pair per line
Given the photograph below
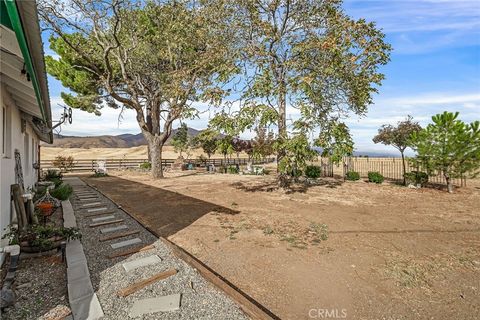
x,y
83,165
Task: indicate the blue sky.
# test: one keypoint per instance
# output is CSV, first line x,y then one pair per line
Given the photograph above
x,y
435,66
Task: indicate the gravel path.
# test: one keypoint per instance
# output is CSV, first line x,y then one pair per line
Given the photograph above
x,y
199,299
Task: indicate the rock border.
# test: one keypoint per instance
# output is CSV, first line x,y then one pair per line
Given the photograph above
x,y
83,300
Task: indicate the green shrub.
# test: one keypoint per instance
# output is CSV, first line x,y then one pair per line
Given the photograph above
x,y
99,175
296,173
313,172
233,169
57,181
62,192
416,177
352,176
39,192
146,165
374,176
53,174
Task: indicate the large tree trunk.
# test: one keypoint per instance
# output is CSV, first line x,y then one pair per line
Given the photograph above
x,y
155,146
282,121
156,160
449,183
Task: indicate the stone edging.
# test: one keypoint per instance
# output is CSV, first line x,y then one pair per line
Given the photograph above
x,y
83,300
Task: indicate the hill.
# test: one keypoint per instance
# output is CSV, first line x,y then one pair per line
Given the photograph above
x,y
127,140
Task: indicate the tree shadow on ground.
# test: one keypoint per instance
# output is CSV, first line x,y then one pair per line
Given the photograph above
x,y
300,186
164,212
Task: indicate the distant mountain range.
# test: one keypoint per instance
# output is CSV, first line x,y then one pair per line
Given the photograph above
x,y
129,140
121,141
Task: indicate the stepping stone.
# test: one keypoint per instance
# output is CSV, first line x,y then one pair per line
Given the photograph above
x,y
125,243
97,209
84,198
91,204
158,304
103,218
143,262
118,235
113,229
96,214
98,224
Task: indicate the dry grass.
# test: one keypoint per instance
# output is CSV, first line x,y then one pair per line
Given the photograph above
x,y
49,153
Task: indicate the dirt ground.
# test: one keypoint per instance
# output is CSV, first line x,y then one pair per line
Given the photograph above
x,y
338,249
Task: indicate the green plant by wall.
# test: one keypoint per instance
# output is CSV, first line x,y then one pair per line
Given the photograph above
x,y
53,174
416,177
62,192
376,177
233,169
313,172
41,235
352,176
146,165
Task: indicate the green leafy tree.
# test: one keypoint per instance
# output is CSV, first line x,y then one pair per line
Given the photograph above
x,y
310,55
153,57
180,140
398,137
298,153
449,146
207,140
225,146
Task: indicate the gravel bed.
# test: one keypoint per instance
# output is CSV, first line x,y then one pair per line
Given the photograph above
x,y
41,288
199,298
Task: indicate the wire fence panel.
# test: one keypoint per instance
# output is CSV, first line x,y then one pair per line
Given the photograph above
x,y
390,168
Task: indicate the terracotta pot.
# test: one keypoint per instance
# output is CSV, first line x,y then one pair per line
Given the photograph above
x,y
46,208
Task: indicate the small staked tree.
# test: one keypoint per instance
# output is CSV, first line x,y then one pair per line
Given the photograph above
x,y
263,143
154,57
449,146
180,140
225,146
398,137
207,140
65,164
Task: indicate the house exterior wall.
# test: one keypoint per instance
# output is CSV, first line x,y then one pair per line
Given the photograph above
x,y
26,143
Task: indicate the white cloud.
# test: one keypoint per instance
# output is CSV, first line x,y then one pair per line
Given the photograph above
x,y
384,111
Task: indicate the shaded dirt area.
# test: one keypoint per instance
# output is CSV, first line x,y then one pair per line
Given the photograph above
x,y
349,249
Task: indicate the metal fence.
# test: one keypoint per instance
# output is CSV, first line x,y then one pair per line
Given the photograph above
x,y
85,165
390,168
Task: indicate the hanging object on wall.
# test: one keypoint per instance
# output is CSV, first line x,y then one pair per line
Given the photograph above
x,y
18,169
65,116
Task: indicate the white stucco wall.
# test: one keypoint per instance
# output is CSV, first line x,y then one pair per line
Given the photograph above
x,y
23,143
